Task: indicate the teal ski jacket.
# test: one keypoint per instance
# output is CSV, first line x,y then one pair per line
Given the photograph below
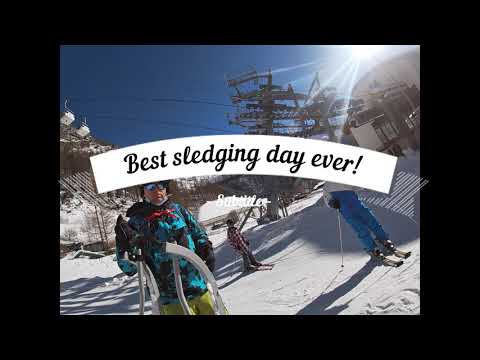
x,y
167,223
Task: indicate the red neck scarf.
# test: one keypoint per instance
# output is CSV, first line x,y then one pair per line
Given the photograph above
x,y
160,213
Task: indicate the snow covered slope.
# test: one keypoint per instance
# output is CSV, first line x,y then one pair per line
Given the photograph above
x,y
307,278
96,286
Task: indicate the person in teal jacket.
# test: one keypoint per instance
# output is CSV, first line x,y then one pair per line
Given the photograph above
x,y
155,220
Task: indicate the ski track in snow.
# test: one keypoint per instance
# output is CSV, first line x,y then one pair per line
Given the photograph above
x,y
307,278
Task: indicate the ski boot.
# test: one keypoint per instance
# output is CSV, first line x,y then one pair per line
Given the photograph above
x,y
249,268
390,249
378,256
375,254
388,245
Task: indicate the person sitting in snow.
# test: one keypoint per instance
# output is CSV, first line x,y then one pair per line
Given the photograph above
x,y
155,220
362,220
240,244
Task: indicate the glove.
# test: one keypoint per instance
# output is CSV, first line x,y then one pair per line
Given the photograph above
x,y
127,267
124,235
334,203
205,251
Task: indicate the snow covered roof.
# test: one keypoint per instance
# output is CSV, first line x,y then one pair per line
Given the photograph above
x,y
211,209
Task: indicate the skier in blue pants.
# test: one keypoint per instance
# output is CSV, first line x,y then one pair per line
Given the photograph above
x,y
361,219
344,199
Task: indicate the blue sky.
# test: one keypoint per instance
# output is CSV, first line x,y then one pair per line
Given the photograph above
x,y
115,86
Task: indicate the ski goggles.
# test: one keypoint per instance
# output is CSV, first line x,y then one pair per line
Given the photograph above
x,y
162,185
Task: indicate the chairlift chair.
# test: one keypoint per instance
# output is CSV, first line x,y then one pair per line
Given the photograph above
x,y
67,116
83,130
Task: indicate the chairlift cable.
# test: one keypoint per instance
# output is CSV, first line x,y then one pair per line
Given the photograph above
x,y
85,99
167,123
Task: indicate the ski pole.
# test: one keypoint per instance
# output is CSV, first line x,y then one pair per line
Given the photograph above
x,y
340,234
138,265
140,283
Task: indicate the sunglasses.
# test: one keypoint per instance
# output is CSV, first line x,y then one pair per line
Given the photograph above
x,y
154,186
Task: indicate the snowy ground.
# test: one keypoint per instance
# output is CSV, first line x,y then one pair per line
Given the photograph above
x,y
307,278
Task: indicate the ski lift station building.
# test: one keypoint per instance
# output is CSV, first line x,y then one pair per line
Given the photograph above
x,y
390,120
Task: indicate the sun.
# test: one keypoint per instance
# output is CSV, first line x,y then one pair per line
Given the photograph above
x,y
365,51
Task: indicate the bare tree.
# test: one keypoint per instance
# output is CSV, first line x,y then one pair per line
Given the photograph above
x,y
70,235
108,220
91,226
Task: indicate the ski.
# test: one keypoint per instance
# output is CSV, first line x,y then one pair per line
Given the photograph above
x,y
389,262
402,254
399,253
261,267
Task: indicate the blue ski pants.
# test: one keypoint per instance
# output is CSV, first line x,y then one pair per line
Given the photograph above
x,y
360,218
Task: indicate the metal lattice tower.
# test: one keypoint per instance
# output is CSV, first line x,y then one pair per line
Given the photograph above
x,y
268,109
